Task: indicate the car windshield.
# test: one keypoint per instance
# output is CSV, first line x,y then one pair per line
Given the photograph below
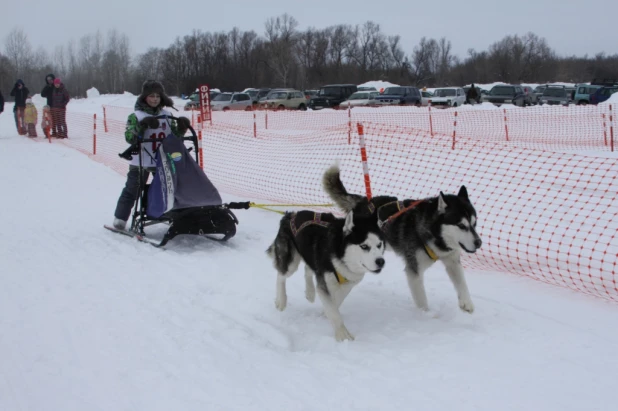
x,y
502,91
395,90
540,89
252,93
445,92
330,91
277,95
554,92
223,97
359,96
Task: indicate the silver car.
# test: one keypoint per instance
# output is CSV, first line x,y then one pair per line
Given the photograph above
x,y
232,101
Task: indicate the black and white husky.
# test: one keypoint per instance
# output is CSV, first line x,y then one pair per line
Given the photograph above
x,y
420,231
336,251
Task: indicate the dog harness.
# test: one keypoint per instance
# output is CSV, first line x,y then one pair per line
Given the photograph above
x,y
383,224
317,220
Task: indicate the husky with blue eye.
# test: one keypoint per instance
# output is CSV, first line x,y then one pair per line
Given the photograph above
x,y
337,252
419,231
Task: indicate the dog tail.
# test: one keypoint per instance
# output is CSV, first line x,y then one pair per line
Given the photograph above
x,y
337,191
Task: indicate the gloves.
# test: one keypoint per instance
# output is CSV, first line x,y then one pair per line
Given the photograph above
x,y
149,122
183,124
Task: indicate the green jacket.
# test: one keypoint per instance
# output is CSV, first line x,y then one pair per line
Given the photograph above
x,y
133,129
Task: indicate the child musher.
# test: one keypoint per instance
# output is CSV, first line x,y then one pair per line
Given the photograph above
x,y
30,118
144,124
46,122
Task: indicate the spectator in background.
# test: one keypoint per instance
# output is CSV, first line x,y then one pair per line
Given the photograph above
x,y
20,92
48,91
473,95
30,118
60,99
1,103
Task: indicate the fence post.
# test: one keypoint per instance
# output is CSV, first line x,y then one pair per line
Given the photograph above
x,y
506,127
94,135
430,120
254,125
104,120
604,129
363,150
454,130
611,126
349,125
266,119
200,152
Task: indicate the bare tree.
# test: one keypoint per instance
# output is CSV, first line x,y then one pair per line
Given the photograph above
x,y
281,37
18,50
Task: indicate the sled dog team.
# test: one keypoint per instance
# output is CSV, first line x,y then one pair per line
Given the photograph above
x,y
337,252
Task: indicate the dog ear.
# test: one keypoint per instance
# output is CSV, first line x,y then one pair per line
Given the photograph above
x,y
463,193
441,203
349,224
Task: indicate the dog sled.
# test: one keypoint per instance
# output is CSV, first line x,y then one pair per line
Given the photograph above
x,y
180,195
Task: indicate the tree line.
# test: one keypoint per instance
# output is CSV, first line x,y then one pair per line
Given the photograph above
x,y
284,56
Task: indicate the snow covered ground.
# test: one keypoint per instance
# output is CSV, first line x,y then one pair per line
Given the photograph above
x,y
91,320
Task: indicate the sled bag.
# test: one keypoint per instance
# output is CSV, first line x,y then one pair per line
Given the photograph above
x,y
179,182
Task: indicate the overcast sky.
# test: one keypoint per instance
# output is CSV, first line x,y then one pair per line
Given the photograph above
x,y
571,27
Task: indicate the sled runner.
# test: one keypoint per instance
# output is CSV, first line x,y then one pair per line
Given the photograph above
x,y
180,194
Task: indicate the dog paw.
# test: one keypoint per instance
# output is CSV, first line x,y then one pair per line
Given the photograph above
x,y
310,294
466,305
281,303
342,334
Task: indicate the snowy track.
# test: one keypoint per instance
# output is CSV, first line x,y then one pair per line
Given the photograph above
x,y
90,320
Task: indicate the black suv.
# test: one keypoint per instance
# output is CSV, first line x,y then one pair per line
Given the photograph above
x,y
400,95
331,96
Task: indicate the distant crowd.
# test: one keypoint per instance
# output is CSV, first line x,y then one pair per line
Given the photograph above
x,y
53,120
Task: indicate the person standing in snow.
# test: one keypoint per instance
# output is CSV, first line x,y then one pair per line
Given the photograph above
x,y
1,102
473,95
48,91
30,118
60,99
143,123
20,92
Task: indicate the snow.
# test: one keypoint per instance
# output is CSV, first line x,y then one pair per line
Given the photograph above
x,y
95,321
378,84
92,93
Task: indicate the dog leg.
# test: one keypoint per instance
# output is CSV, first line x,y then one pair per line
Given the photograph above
x,y
332,313
456,274
282,297
309,285
417,287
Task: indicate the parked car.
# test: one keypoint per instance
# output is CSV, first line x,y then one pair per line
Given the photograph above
x,y
448,97
583,92
361,98
400,96
538,91
232,101
505,94
555,95
257,93
332,95
310,93
603,94
426,97
194,100
285,99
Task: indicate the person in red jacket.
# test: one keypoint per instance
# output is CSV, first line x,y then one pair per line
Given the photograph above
x,y
60,99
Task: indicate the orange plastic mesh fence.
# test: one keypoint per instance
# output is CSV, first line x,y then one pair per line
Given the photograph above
x,y
544,195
